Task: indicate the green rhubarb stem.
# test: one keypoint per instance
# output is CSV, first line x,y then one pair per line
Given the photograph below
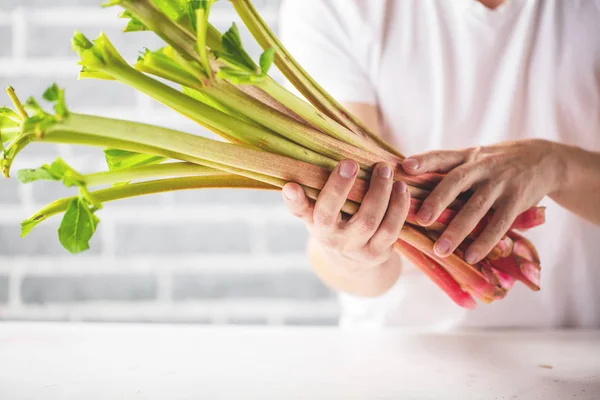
x,y
12,151
178,37
212,118
310,114
238,159
299,77
153,187
349,207
292,129
176,169
184,41
81,138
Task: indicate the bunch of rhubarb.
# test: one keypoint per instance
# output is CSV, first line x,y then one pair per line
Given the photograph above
x,y
271,137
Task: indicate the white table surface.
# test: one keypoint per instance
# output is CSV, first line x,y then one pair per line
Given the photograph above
x,y
106,361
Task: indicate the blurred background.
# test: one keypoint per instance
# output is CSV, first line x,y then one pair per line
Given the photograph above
x,y
206,257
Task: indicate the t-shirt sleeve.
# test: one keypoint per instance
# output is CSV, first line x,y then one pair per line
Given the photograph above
x,y
327,38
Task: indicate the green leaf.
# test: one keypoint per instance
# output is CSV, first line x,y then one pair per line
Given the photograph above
x,y
56,95
80,42
234,50
134,24
174,9
9,118
57,171
28,225
96,55
119,159
238,77
38,174
87,73
33,107
160,64
266,60
110,3
77,226
38,124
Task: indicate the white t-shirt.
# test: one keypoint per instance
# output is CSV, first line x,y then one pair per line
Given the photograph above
x,y
454,74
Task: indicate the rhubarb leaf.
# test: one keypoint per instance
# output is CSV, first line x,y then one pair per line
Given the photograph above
x,y
119,159
37,174
57,171
238,77
233,50
160,64
110,3
28,225
9,118
266,60
134,24
77,226
96,55
174,9
87,73
33,107
38,124
56,95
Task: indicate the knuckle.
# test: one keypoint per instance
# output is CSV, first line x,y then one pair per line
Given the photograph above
x,y
473,153
489,162
502,225
323,218
387,234
460,176
368,223
477,202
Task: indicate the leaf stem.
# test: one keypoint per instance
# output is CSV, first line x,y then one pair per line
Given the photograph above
x,y
300,78
153,187
215,119
176,169
17,103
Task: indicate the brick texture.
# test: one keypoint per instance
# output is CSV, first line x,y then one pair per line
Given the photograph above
x,y
299,285
82,288
203,256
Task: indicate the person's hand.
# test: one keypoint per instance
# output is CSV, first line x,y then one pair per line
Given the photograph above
x,y
366,239
509,177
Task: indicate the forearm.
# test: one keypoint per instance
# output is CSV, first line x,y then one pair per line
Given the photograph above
x,y
344,275
580,191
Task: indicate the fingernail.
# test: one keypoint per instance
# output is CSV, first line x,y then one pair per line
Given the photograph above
x,y
424,214
402,187
385,172
470,256
347,169
411,163
442,246
290,194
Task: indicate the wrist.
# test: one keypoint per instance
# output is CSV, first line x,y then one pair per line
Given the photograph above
x,y
561,169
353,277
350,263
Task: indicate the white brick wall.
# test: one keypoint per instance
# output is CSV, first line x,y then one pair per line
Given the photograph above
x,y
218,256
